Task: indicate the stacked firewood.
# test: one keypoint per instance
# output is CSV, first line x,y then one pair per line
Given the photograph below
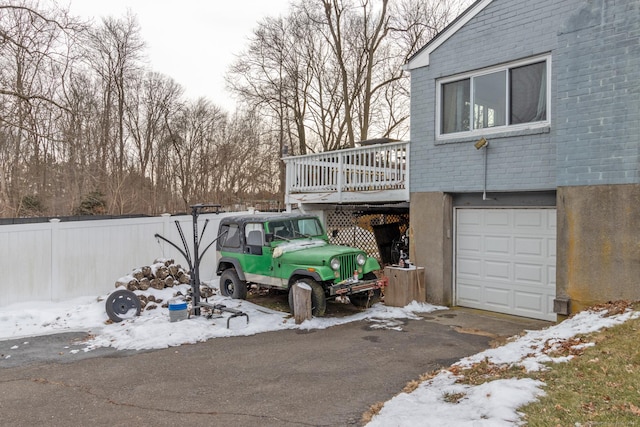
x,y
163,273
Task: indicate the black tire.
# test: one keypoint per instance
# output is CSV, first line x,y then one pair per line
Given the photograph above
x,y
362,299
232,286
122,304
318,299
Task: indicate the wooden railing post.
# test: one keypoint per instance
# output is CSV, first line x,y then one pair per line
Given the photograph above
x,y
340,176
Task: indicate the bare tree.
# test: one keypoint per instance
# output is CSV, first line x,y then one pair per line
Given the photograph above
x,y
334,69
356,39
248,159
33,59
114,51
274,80
193,133
77,130
152,98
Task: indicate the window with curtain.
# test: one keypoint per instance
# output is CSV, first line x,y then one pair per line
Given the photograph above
x,y
455,106
505,96
528,90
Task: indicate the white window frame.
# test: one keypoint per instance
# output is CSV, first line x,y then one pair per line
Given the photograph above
x,y
495,129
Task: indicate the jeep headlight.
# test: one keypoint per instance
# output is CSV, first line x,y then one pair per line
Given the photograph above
x,y
361,259
335,264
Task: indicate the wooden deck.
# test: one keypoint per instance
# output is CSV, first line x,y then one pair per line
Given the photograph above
x,y
371,174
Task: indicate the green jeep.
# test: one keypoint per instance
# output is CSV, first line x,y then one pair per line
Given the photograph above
x,y
280,250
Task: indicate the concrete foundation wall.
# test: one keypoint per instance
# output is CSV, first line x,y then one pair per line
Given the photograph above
x,y
431,243
598,244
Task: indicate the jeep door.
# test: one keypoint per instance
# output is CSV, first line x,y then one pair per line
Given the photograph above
x,y
257,258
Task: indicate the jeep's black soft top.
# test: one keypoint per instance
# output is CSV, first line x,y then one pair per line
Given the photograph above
x,y
235,241
268,217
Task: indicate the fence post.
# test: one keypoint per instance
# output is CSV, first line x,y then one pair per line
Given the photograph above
x,y
166,227
54,280
301,302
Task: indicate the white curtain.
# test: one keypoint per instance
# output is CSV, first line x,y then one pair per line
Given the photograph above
x,y
455,107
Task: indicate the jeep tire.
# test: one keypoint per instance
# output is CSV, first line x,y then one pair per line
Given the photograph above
x,y
231,285
362,299
318,299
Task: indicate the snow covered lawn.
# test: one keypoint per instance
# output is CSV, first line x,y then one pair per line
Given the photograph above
x,y
445,400
153,328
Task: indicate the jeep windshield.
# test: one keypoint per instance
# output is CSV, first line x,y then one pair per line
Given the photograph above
x,y
295,228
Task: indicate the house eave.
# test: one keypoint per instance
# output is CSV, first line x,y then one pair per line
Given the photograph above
x,y
421,58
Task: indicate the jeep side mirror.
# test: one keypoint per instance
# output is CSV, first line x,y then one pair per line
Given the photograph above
x,y
268,237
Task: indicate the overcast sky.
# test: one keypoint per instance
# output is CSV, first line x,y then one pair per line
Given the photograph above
x,y
193,41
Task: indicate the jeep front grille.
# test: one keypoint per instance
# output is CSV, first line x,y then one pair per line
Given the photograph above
x,y
348,265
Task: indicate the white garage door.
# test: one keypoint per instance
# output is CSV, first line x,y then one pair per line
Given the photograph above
x,y
506,261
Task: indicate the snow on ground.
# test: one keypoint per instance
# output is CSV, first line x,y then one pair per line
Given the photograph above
x,y
430,404
153,328
494,403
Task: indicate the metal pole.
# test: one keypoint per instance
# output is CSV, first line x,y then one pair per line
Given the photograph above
x,y
484,191
195,281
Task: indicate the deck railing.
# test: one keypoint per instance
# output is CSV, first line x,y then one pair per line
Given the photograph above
x,y
374,168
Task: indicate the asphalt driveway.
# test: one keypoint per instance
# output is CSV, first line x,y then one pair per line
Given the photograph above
x,y
285,378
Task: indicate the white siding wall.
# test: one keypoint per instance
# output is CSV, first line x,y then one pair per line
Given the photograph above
x,y
61,260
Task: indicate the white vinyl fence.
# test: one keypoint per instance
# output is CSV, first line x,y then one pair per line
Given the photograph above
x,y
57,260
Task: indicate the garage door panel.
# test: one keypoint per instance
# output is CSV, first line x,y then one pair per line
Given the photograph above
x,y
472,293
469,243
529,273
529,246
532,219
497,270
471,268
497,297
551,276
529,305
467,218
497,245
505,260
551,247
498,219
531,302
551,219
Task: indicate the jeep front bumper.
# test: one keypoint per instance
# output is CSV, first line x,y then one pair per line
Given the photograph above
x,y
351,286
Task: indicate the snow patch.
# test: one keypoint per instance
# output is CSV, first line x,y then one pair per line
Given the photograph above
x,y
296,245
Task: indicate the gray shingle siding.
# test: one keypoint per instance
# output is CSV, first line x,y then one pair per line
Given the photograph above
x,y
593,136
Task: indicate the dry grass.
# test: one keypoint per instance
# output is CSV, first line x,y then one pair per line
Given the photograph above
x,y
453,397
373,410
600,387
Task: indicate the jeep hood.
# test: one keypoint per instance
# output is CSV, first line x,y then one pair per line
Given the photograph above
x,y
314,248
